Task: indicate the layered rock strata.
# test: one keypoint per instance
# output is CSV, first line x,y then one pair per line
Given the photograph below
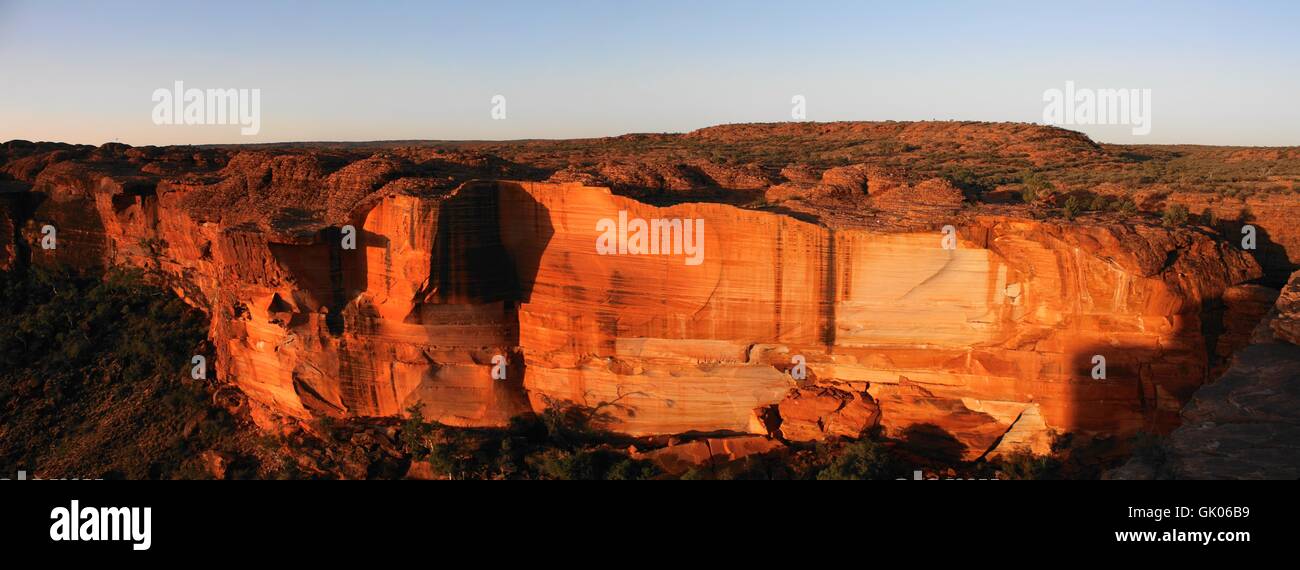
x,y
985,341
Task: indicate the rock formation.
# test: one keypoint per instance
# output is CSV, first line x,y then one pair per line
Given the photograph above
x,y
477,292
1246,424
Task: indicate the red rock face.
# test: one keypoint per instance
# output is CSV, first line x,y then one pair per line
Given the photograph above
x,y
1273,215
1246,423
812,414
985,347
1286,323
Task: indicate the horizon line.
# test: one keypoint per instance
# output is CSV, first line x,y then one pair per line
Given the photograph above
x,y
641,133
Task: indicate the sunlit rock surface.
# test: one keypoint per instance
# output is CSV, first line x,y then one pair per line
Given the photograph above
x,y
984,340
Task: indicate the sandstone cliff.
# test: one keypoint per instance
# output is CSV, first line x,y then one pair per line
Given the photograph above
x,y
1245,424
985,347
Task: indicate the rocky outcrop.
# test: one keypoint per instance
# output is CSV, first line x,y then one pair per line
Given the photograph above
x,y
708,453
1277,243
819,413
482,300
1285,323
1246,424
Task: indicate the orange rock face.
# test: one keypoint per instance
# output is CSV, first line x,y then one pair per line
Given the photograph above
x,y
811,414
1277,244
1245,424
485,300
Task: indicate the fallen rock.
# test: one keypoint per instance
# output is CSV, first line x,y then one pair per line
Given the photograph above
x,y
710,453
823,412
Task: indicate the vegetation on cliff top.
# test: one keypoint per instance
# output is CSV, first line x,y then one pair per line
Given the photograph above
x,y
92,377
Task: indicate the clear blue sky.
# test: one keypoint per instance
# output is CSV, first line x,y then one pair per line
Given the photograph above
x,y
1221,72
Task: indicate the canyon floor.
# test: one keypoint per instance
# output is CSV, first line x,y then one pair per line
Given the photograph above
x,y
870,299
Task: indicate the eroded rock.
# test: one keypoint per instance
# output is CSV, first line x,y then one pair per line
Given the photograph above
x,y
820,412
957,348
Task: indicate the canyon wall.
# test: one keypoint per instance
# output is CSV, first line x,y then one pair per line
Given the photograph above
x,y
1276,241
993,340
1245,424
988,346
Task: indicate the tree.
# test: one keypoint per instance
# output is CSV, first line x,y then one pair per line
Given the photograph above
x,y
416,432
861,460
1035,185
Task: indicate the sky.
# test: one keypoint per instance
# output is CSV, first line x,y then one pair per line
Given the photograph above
x,y
1225,73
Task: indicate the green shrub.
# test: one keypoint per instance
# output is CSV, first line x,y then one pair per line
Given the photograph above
x,y
94,377
1175,215
1073,206
1208,218
1099,204
590,465
632,470
864,459
1028,194
415,436
459,455
1027,466
970,183
1035,186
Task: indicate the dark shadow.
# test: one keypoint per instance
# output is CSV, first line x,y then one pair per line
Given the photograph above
x,y
1137,157
1271,256
488,249
333,276
471,263
710,194
796,214
1137,380
933,443
18,207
